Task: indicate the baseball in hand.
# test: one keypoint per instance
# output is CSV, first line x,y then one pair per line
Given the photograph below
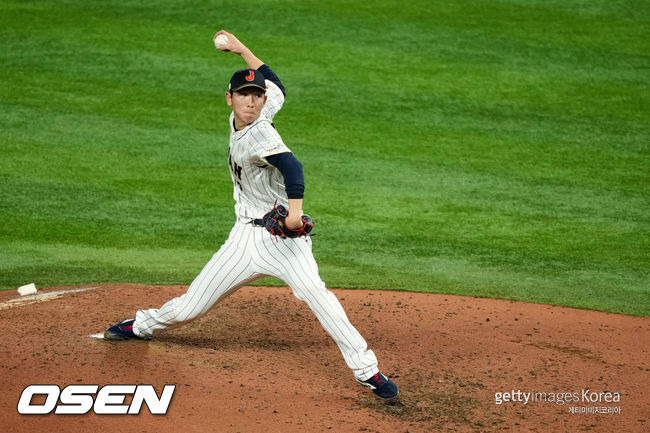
x,y
220,40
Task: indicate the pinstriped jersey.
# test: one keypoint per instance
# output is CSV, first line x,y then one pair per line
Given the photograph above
x,y
257,185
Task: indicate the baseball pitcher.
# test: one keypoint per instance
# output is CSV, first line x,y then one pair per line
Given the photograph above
x,y
271,235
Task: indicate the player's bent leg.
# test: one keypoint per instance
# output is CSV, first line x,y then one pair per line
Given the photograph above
x,y
292,261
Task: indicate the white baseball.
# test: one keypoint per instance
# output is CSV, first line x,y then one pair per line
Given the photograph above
x,y
220,40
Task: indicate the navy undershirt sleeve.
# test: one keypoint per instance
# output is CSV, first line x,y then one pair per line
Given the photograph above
x,y
291,169
270,75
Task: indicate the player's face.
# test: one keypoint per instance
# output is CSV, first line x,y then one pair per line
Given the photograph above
x,y
246,104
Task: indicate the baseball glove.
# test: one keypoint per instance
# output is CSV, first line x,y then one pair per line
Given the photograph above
x,y
274,223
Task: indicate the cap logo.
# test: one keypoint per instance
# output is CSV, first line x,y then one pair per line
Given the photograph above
x,y
251,76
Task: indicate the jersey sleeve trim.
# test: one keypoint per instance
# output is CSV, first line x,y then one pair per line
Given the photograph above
x,y
264,141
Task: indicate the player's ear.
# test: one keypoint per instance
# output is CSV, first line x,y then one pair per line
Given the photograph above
x,y
229,99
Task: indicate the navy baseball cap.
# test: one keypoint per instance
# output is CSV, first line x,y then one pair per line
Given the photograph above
x,y
247,78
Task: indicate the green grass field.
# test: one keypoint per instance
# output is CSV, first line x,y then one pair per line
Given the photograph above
x,y
485,148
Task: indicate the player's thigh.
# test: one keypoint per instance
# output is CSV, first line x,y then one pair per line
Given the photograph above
x,y
227,270
292,261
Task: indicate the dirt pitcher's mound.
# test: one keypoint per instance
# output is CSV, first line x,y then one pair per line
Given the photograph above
x,y
260,362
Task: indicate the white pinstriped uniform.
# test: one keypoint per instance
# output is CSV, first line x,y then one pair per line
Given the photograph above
x,y
251,252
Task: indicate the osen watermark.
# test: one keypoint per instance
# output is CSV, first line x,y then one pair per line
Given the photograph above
x,y
81,399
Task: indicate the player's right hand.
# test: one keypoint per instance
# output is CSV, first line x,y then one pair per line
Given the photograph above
x,y
233,44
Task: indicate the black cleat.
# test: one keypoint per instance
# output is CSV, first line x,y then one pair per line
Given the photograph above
x,y
121,331
381,386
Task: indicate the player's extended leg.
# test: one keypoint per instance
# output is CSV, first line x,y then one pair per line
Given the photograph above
x,y
227,271
292,261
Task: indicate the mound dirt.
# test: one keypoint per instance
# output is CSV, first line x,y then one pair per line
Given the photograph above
x,y
260,362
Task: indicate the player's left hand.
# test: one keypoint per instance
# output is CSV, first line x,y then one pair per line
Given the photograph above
x,y
293,221
275,223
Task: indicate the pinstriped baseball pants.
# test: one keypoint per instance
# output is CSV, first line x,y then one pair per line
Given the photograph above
x,y
251,253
